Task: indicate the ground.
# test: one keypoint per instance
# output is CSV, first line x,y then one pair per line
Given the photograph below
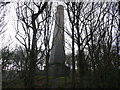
x,y
60,82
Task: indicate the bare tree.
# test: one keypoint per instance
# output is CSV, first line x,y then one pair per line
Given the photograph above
x,y
47,27
28,14
93,31
71,8
3,13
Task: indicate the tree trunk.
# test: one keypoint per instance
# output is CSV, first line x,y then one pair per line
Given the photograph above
x,y
73,59
47,69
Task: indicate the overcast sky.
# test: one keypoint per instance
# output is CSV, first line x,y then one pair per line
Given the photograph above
x,y
9,36
10,31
